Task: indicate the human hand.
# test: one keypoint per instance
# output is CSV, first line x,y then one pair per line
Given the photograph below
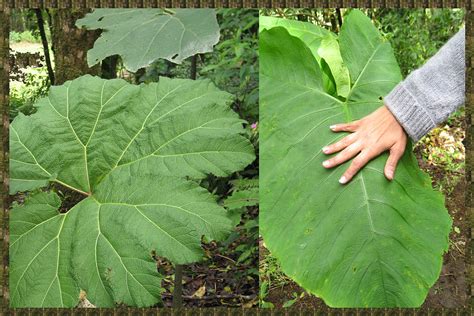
x,y
371,136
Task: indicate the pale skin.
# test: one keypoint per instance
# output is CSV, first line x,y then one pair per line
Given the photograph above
x,y
370,136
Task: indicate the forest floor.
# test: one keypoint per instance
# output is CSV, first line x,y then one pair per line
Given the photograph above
x,y
27,47
220,279
451,289
223,283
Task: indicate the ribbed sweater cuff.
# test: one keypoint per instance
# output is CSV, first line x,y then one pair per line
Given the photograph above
x,y
413,117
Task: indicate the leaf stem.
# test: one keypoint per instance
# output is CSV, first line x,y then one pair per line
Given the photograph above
x,y
72,188
168,11
347,112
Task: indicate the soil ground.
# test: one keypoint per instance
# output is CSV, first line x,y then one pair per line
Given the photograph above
x,y
27,47
220,280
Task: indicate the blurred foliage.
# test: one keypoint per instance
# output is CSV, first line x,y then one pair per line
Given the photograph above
x,y
443,154
28,79
443,147
233,65
23,20
417,34
24,94
24,26
26,36
242,198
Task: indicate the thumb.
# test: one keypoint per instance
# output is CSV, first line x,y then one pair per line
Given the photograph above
x,y
396,152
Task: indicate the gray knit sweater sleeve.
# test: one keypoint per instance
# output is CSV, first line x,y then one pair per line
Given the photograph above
x,y
431,93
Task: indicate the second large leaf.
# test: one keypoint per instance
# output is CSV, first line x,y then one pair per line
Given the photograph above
x,y
372,242
140,36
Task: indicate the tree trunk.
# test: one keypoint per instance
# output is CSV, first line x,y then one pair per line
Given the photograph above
x,y
4,91
70,45
44,41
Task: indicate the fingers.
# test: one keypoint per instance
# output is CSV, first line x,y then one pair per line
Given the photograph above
x,y
396,152
360,161
340,145
346,127
343,156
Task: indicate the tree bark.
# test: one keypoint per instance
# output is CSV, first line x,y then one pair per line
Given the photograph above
x,y
4,92
70,45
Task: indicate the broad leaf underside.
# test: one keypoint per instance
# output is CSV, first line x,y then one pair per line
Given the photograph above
x,y
132,150
141,36
370,243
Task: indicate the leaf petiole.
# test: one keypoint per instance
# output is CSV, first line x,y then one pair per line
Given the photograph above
x,y
72,188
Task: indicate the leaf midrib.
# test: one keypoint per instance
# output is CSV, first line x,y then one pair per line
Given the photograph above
x,y
346,108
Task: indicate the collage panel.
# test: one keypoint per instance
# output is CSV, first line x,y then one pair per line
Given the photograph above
x,y
133,158
362,158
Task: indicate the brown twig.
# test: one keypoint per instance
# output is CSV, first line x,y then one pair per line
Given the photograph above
x,y
190,297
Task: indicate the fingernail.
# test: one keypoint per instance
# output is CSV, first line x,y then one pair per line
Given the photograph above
x,y
343,180
325,149
332,126
326,163
390,174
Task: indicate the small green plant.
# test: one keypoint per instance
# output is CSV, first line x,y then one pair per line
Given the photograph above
x,y
293,300
263,294
23,95
271,277
244,195
26,36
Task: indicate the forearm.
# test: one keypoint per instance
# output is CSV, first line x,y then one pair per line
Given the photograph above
x,y
431,93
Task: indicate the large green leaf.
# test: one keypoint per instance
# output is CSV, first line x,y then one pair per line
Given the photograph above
x,y
322,43
140,36
372,242
132,150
